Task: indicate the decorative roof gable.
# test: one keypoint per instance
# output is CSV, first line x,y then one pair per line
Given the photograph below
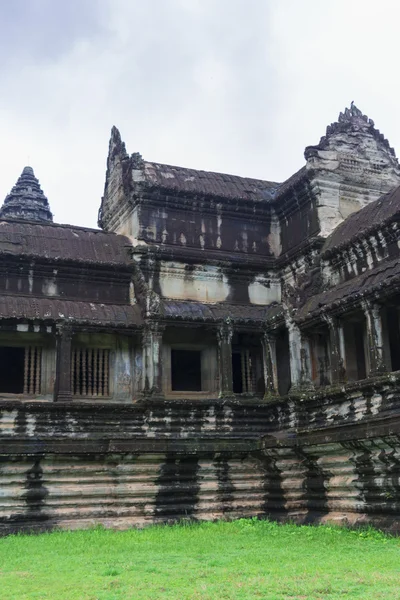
x,y
351,121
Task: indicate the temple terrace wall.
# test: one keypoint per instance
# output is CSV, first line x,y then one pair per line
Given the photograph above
x,y
331,456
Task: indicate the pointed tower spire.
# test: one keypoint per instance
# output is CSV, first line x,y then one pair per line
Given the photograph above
x,y
122,172
26,200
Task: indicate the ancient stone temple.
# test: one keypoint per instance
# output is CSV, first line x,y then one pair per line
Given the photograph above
x,y
221,347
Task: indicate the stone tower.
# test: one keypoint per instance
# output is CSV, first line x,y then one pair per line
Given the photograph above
x,y
352,165
26,200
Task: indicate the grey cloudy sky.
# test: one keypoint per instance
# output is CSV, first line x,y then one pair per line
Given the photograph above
x,y
239,86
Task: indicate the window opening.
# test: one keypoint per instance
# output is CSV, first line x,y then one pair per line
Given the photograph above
x,y
20,369
237,373
186,370
355,349
90,372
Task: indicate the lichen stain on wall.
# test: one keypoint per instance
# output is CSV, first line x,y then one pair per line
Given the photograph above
x,y
204,283
264,291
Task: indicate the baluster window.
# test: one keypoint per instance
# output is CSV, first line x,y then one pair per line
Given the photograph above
x,y
90,372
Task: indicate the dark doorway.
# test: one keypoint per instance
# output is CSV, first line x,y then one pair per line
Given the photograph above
x,y
283,362
360,350
394,337
237,378
319,355
186,370
12,370
354,330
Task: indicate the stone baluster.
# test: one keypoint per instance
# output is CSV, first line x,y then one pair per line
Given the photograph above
x,y
62,391
375,343
224,336
152,361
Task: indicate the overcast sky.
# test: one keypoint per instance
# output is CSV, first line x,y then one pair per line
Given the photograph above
x,y
238,86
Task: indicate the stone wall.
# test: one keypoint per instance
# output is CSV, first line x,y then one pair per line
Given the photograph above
x,y
71,282
334,456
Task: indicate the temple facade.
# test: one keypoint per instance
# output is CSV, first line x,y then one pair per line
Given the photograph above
x,y
220,347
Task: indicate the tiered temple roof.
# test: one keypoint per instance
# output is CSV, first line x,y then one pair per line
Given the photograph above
x,y
27,200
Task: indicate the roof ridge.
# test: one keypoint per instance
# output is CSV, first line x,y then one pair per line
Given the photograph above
x,y
60,225
160,164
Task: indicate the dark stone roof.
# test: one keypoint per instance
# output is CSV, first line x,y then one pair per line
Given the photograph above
x,y
295,179
186,310
384,277
26,200
51,310
63,243
207,183
367,219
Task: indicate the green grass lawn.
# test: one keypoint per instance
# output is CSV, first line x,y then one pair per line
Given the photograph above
x,y
243,559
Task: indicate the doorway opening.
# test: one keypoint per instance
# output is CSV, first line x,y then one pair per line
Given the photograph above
x,y
186,370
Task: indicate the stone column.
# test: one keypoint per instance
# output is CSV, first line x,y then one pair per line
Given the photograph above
x,y
375,343
224,336
299,354
294,355
337,350
306,382
151,364
268,342
62,387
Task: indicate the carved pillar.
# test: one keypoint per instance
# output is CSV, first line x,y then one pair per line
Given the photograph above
x,y
62,388
268,342
305,362
375,343
337,351
151,364
294,355
299,356
224,336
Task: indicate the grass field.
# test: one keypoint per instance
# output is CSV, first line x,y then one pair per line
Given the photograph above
x,y
244,559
